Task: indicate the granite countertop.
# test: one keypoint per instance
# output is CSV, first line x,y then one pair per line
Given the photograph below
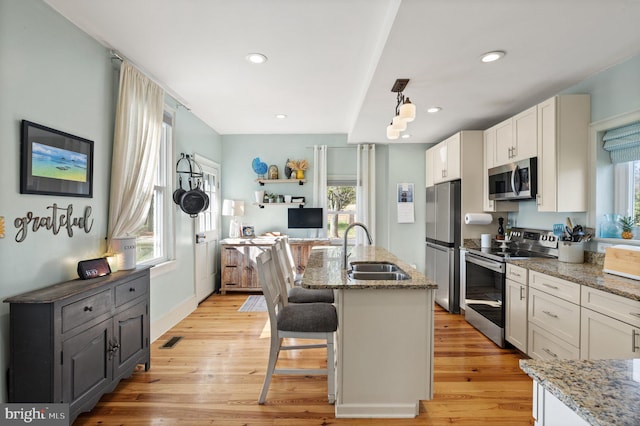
x,y
268,240
324,270
603,392
588,274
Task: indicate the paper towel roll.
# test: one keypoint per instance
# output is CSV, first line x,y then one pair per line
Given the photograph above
x,y
478,218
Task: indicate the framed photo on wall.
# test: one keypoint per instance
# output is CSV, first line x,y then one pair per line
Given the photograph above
x,y
55,163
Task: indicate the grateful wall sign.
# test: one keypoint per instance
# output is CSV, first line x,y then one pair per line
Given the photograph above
x,y
56,219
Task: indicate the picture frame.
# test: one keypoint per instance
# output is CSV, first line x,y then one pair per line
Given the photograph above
x,y
248,231
54,162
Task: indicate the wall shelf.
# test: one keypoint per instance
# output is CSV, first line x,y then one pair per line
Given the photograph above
x,y
261,205
298,181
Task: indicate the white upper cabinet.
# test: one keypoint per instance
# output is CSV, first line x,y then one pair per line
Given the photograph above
x,y
429,167
516,138
446,159
563,126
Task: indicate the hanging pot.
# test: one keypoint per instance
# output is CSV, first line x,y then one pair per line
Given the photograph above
x,y
178,193
194,201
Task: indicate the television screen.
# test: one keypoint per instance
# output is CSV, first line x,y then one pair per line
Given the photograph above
x,y
300,218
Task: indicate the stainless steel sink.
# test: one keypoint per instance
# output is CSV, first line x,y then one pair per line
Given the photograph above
x,y
385,271
374,267
383,276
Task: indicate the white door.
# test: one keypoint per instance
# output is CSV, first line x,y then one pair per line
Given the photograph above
x,y
207,231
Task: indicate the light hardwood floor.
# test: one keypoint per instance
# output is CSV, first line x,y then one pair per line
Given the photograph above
x,y
215,373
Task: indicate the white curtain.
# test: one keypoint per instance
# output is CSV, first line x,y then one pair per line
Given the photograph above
x,y
320,184
136,147
366,192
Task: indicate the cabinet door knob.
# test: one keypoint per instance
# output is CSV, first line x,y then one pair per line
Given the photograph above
x,y
88,308
132,289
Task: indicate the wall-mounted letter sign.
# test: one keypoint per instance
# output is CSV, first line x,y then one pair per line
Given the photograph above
x,y
59,218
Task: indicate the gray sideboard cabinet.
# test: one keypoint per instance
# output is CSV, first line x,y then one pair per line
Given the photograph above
x,y
74,341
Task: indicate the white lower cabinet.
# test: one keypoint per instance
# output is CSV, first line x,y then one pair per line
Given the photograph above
x,y
610,326
554,318
550,411
516,307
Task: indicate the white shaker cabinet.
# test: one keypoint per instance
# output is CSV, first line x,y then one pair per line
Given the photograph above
x,y
429,167
446,160
610,326
563,125
516,138
516,307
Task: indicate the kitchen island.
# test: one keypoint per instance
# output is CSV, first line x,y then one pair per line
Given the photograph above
x,y
595,392
384,342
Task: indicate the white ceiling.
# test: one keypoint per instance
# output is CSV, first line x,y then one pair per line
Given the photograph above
x,y
332,63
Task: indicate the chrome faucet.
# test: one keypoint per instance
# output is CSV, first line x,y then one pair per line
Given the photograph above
x,y
346,232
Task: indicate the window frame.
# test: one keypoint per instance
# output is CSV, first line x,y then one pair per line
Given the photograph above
x,y
342,181
163,187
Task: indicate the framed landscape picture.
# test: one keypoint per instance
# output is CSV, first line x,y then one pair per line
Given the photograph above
x,y
55,163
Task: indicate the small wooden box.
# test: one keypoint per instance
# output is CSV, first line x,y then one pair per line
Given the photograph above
x,y
623,261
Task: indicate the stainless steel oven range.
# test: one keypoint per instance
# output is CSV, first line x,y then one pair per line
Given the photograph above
x,y
485,277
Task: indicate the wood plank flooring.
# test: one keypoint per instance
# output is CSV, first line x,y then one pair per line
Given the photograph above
x,y
214,374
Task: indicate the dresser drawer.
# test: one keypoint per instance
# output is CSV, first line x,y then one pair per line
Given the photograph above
x,y
130,290
563,289
544,345
612,305
516,273
85,310
556,316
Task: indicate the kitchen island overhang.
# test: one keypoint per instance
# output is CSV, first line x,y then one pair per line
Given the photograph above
x,y
384,343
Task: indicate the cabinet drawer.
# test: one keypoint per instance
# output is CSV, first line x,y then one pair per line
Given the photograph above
x,y
618,307
516,273
130,290
544,345
555,315
232,256
85,310
560,288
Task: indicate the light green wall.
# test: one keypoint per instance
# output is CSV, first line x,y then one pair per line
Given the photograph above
x,y
238,178
613,92
54,74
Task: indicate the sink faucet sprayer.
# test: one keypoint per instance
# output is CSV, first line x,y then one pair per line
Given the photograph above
x,y
346,232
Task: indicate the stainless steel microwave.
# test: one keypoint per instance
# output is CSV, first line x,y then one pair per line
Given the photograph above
x,y
514,181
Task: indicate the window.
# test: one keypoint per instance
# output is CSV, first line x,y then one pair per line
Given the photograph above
x,y
627,194
341,207
154,238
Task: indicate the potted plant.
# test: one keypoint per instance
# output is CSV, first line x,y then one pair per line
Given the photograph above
x,y
627,224
270,197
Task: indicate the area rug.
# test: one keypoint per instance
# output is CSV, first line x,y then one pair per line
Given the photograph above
x,y
254,303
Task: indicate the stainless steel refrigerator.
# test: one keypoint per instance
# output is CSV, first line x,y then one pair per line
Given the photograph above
x,y
443,242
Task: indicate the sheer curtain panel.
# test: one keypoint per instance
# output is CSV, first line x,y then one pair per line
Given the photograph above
x,y
136,147
366,192
320,185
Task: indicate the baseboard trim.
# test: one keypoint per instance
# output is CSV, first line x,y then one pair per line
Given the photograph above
x,y
171,318
391,411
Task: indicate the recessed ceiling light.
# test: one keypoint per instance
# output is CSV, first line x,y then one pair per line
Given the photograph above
x,y
433,110
405,136
281,116
256,58
492,56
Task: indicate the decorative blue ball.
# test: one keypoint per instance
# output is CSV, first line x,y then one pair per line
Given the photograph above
x,y
258,166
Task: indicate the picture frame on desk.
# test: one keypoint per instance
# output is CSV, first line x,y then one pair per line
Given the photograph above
x,y
248,231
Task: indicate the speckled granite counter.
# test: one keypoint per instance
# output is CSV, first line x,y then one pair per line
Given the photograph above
x,y
587,274
603,392
324,270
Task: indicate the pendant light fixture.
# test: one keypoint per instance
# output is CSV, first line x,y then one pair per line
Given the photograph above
x,y
405,111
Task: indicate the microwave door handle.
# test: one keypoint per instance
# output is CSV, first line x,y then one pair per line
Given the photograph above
x,y
515,180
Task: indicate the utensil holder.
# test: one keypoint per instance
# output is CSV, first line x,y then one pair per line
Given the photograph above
x,y
571,252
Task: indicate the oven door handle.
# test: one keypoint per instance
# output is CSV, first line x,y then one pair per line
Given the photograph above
x,y
492,265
